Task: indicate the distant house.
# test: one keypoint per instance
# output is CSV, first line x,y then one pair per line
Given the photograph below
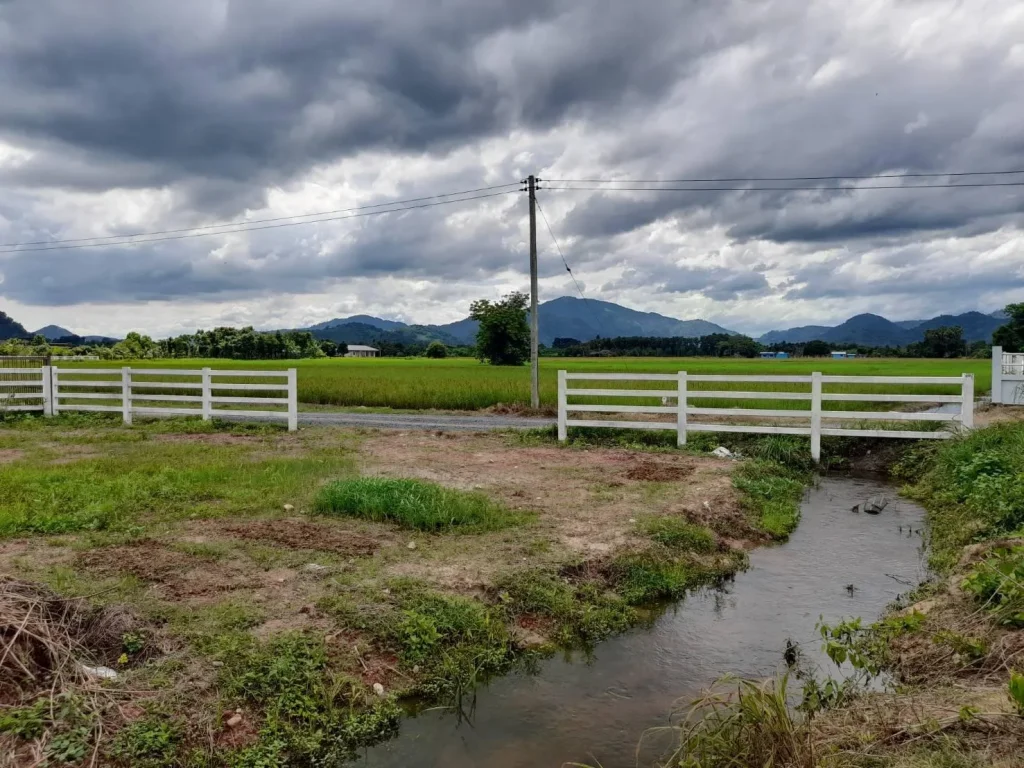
x,y
360,350
775,355
767,355
843,355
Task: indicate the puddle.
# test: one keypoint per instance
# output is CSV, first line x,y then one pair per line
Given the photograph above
x,y
595,710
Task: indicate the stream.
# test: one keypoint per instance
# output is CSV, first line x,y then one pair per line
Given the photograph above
x,y
595,709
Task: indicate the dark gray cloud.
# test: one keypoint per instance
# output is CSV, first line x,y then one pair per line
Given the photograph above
x,y
119,116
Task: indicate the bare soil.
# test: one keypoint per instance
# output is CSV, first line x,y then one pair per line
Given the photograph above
x,y
587,502
292,533
8,455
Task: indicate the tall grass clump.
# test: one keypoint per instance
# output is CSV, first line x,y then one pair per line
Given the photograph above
x,y
751,725
414,504
973,487
771,493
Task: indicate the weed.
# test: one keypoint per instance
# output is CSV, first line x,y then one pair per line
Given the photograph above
x,y
677,533
65,724
970,648
415,504
646,577
1017,690
149,743
582,614
998,583
309,708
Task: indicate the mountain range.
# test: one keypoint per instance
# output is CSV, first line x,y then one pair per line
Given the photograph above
x,y
586,319
875,330
565,317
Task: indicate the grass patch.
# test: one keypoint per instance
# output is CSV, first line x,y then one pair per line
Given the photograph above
x,y
580,614
643,578
313,714
677,533
771,493
415,504
973,487
117,484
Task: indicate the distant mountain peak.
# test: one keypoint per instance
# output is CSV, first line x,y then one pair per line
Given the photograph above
x,y
874,330
52,332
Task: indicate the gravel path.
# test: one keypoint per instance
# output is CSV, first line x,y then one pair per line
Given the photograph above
x,y
423,421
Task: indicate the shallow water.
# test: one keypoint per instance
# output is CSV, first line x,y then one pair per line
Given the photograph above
x,y
596,710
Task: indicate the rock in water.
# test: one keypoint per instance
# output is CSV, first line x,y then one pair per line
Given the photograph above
x,y
875,504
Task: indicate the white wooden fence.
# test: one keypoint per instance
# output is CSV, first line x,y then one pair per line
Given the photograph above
x,y
153,392
816,415
1007,377
24,389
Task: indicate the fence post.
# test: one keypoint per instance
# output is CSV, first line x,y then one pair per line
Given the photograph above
x,y
126,394
816,416
681,410
997,375
207,395
967,406
54,391
562,429
47,382
293,401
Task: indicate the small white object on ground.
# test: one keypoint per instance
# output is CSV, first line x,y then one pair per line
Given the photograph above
x,y
722,452
289,508
103,673
234,720
411,545
378,689
314,568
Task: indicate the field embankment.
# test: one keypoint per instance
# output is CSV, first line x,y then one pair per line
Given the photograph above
x,y
189,593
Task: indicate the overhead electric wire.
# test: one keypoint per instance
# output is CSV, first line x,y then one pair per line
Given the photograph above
x,y
788,178
256,221
562,255
789,189
255,229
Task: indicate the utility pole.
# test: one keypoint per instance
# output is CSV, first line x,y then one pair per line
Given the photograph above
x,y
534,324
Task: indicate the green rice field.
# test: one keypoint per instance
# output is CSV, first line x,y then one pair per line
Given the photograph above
x,y
464,384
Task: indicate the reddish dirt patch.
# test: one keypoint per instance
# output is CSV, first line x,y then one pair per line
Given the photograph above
x,y
8,455
652,471
177,574
300,534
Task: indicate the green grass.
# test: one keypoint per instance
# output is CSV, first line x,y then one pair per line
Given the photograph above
x,y
118,483
414,504
677,533
772,493
461,383
973,488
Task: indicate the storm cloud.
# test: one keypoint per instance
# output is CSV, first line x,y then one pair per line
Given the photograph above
x,y
119,117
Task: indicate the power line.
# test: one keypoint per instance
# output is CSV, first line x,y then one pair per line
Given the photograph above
x,y
791,189
255,221
566,263
788,178
267,226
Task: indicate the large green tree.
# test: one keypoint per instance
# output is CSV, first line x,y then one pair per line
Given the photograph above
x,y
504,334
817,348
945,341
1011,336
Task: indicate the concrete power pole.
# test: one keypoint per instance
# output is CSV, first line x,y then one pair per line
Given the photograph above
x,y
534,324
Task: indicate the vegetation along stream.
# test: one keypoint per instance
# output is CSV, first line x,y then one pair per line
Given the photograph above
x,y
595,710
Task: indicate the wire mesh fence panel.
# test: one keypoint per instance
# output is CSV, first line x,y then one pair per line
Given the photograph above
x,y
21,382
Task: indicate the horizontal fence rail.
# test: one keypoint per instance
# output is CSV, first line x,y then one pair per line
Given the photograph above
x,y
682,400
152,392
24,389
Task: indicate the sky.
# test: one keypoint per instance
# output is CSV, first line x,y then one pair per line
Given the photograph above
x,y
120,117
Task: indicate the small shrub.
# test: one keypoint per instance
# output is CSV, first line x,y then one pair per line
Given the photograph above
x,y
677,533
414,504
1017,690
